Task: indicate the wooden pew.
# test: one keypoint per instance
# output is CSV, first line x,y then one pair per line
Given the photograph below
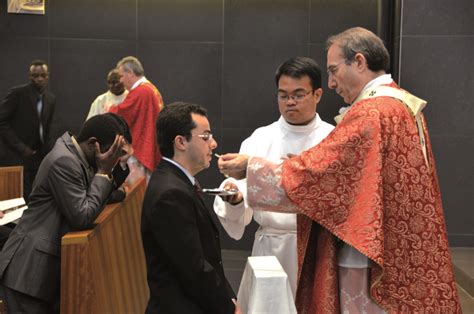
x,y
11,182
103,270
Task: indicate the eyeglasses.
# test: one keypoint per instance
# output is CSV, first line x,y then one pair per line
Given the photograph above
x,y
298,96
36,75
332,69
206,136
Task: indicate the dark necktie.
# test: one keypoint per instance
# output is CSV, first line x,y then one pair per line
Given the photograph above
x,y
197,187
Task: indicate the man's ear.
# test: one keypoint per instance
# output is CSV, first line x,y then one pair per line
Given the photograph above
x,y
318,93
88,147
361,61
91,143
180,142
91,140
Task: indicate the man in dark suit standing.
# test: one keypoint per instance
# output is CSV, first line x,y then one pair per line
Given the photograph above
x,y
179,234
70,190
25,122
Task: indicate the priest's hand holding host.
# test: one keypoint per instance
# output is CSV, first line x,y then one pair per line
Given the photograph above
x,y
233,165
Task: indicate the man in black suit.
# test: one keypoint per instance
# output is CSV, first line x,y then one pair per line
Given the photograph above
x,y
179,234
25,122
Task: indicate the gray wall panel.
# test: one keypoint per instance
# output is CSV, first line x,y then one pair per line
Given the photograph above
x,y
333,16
266,21
16,55
439,69
436,64
180,20
104,19
438,17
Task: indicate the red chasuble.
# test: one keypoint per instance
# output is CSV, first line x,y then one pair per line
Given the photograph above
x,y
366,184
140,109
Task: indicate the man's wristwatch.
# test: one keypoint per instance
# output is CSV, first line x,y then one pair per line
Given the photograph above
x,y
109,177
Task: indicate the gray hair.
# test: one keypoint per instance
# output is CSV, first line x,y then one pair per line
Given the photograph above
x,y
360,40
131,64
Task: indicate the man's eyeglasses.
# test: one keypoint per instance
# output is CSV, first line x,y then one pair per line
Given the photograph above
x,y
36,75
332,69
206,136
298,96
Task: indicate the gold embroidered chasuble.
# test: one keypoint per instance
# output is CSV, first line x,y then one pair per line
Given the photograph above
x,y
368,184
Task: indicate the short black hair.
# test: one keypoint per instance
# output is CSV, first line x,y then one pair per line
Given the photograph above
x,y
113,73
104,127
38,62
175,119
125,129
298,67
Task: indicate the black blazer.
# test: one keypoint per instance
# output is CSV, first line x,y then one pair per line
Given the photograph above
x,y
19,123
182,249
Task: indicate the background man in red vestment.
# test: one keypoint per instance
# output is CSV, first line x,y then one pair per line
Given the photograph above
x,y
372,235
140,109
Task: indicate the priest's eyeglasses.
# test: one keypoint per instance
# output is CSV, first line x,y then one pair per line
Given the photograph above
x,y
332,69
206,136
298,96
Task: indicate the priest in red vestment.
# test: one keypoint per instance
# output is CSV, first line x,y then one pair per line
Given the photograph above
x,y
140,109
371,230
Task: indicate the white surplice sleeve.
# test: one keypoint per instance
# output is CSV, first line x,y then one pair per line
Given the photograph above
x,y
234,218
265,189
97,107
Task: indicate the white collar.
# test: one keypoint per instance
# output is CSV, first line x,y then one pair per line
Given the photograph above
x,y
141,80
383,79
380,80
312,125
186,172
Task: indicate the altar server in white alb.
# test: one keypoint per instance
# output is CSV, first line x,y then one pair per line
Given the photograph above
x,y
114,96
298,128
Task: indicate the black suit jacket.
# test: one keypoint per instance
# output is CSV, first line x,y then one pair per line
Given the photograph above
x,y
182,249
19,124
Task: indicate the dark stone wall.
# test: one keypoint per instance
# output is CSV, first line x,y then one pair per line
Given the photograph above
x,y
436,63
